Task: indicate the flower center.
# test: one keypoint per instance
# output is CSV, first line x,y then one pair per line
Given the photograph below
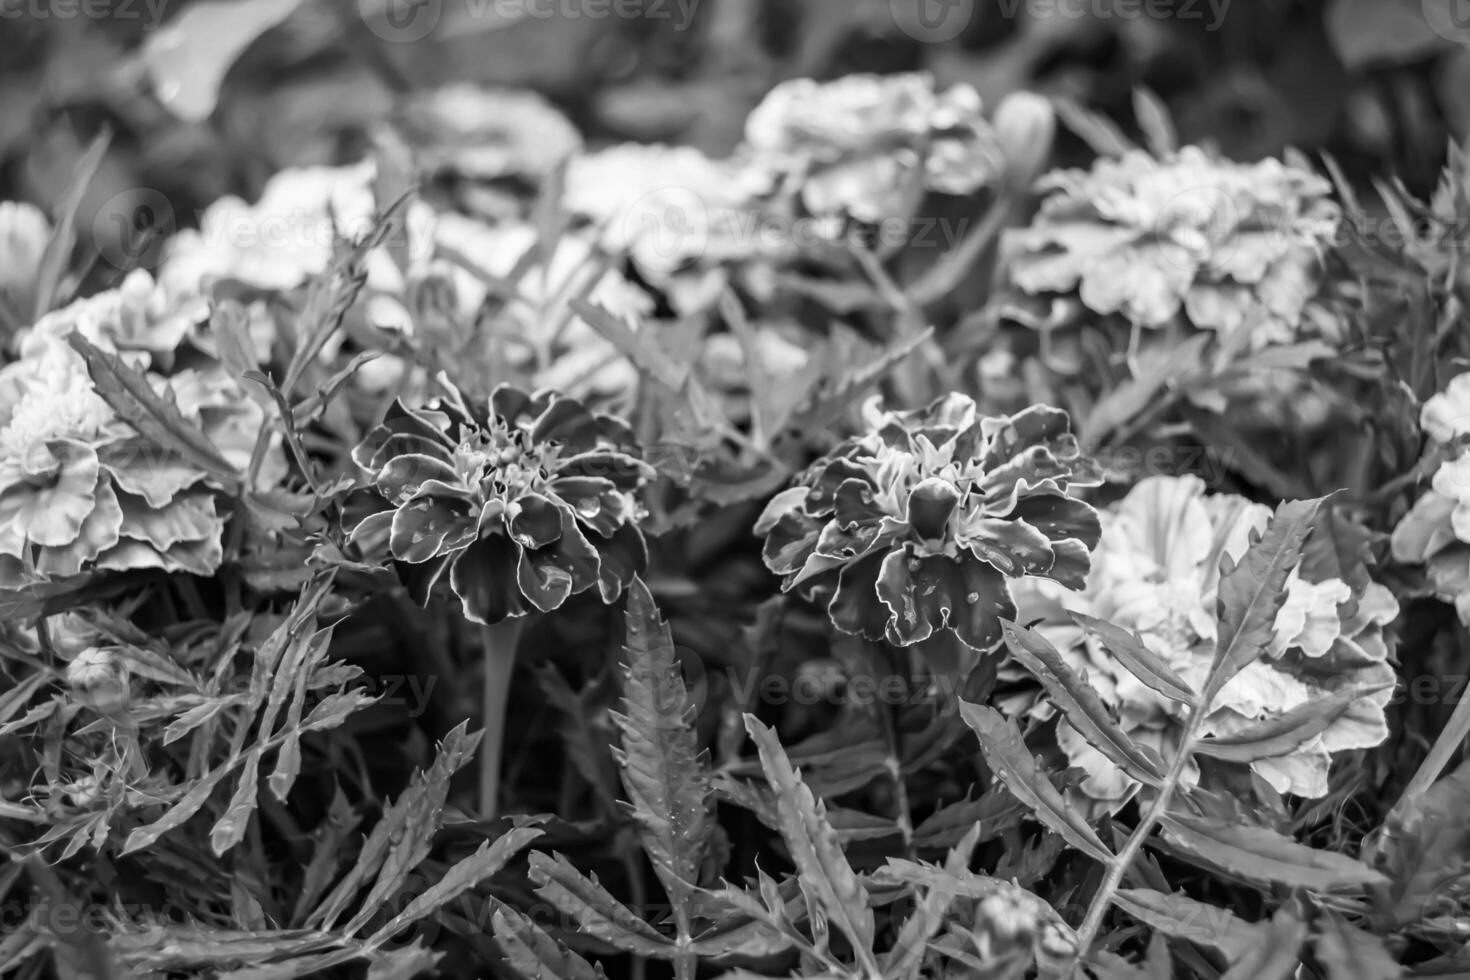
x,y
504,461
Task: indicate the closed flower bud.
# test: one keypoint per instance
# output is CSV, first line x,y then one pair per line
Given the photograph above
x,y
1005,917
70,634
99,679
1025,126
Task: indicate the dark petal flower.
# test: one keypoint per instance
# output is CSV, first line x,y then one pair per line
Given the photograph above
x,y
568,423
855,607
930,505
511,403
543,582
484,578
401,477
400,421
853,503
624,555
1073,562
537,522
573,553
790,542
430,527
1060,518
986,600
622,470
1014,548
421,578
919,592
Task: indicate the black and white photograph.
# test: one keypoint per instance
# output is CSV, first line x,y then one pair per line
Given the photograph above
x,y
734,489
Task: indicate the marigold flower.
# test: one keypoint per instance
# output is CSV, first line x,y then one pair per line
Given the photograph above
x,y
1436,530
486,133
1227,244
525,502
870,146
916,526
1155,572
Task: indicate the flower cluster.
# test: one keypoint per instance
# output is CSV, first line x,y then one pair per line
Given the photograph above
x,y
870,146
1156,572
917,525
79,489
485,133
525,502
1436,530
1230,245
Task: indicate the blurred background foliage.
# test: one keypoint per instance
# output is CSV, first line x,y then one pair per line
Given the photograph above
x,y
208,97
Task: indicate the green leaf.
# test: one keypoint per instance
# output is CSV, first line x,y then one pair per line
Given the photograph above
x,y
1159,134
1180,917
1252,591
1081,704
665,774
230,828
57,254
1262,855
1278,956
1150,669
827,404
1006,754
1349,953
468,872
155,418
1272,738
594,909
1099,132
832,888
186,806
1120,406
639,346
1424,849
534,954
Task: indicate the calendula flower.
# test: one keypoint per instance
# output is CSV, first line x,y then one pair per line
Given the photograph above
x,y
139,318
1436,530
80,489
1156,572
667,207
1225,244
917,525
524,501
870,146
486,133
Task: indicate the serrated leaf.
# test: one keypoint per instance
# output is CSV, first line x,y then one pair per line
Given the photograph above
x,y
404,963
534,954
1081,704
187,805
1006,754
1252,592
821,866
1180,917
1262,855
827,405
639,346
229,829
664,772
594,908
158,419
1272,738
468,872
1128,647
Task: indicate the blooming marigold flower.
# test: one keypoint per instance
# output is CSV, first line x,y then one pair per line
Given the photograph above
x,y
1227,244
1436,530
524,502
870,145
916,526
1155,572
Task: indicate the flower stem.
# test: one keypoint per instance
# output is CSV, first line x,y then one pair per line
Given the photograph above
x,y
1101,901
499,642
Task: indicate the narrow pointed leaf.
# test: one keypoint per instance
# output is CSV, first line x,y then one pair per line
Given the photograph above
x,y
1081,704
1284,734
1278,956
594,909
1006,754
664,772
1263,855
1142,663
534,954
1181,917
1252,591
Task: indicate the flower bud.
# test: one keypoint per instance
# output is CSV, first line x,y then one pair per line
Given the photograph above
x,y
1004,916
1025,127
99,679
70,634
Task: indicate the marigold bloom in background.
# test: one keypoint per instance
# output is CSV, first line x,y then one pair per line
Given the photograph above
x,y
524,501
1225,244
917,525
1436,530
1156,572
870,146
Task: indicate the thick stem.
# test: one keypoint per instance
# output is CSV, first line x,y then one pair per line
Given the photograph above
x,y
499,642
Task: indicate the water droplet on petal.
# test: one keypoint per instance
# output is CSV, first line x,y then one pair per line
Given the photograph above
x,y
972,598
588,507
